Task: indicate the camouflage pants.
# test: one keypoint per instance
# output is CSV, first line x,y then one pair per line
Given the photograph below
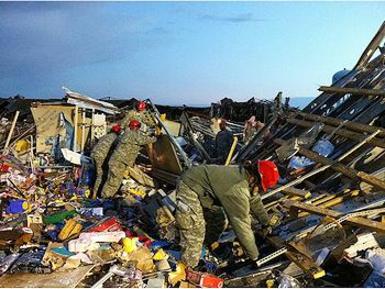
x,y
98,162
190,220
216,223
114,179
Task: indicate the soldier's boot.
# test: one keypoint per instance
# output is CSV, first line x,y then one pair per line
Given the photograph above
x,y
191,225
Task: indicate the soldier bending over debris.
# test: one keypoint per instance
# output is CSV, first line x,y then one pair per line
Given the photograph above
x,y
206,186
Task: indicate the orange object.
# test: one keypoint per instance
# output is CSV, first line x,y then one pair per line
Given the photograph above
x,y
211,281
269,174
204,280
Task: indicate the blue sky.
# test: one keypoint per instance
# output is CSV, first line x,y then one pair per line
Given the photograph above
x,y
180,52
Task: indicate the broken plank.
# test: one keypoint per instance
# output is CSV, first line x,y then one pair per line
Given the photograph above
x,y
64,279
357,126
351,90
356,221
297,192
303,261
11,132
341,132
339,167
371,48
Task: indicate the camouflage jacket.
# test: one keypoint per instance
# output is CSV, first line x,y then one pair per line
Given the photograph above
x,y
129,146
102,147
143,116
228,186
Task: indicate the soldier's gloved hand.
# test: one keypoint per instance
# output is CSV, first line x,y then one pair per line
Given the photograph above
x,y
158,131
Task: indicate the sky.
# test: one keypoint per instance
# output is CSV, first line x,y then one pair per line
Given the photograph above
x,y
180,52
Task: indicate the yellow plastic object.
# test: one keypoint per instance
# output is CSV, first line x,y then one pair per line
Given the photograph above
x,y
355,193
214,245
178,275
160,255
22,145
270,283
138,192
26,206
87,193
71,228
319,274
129,244
308,195
163,117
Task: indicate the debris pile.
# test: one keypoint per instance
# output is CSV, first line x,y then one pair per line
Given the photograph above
x,y
96,195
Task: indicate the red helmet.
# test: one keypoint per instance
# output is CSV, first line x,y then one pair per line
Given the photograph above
x,y
269,174
134,124
141,105
116,128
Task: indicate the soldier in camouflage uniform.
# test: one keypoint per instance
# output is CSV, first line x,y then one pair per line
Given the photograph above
x,y
124,156
206,187
140,114
100,153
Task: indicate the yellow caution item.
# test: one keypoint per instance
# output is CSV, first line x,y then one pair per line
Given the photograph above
x,y
71,228
129,244
178,275
160,255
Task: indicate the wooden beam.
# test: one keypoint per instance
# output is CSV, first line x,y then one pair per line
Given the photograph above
x,y
305,262
371,48
347,171
75,140
341,132
356,221
315,171
297,192
5,151
351,90
360,127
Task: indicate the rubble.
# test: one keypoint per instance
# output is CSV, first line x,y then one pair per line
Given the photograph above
x,y
327,210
